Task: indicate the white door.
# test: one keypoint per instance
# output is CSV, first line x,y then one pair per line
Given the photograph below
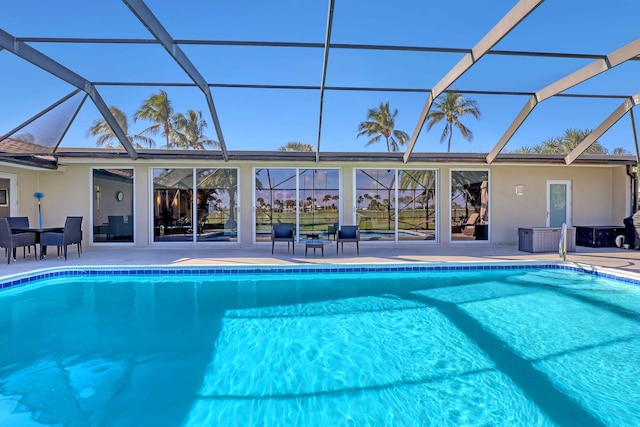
x,y
558,203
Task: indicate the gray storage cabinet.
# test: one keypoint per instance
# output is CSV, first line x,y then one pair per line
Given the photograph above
x,y
545,239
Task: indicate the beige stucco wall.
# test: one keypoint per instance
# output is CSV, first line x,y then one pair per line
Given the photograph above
x,y
597,198
601,194
24,204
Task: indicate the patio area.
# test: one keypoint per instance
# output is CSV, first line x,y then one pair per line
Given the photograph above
x,y
621,259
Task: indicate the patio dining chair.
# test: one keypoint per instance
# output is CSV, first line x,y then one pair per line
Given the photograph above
x,y
348,234
22,222
332,229
11,241
71,235
283,233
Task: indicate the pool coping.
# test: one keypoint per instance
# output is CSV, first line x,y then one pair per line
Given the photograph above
x,y
153,270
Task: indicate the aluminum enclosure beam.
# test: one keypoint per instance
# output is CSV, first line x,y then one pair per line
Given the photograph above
x,y
615,58
40,60
635,135
617,114
149,20
325,62
356,46
508,22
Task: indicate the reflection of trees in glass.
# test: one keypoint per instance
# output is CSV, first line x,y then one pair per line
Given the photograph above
x,y
225,181
173,191
466,190
318,187
421,184
377,180
272,185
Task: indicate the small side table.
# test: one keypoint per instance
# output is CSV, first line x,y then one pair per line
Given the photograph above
x,y
314,244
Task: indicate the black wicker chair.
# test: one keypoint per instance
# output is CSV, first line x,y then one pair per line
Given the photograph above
x,y
22,222
11,241
71,235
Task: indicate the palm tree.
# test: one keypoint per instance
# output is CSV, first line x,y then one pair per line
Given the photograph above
x,y
189,132
620,151
451,108
382,123
157,108
108,139
564,144
296,146
423,181
326,199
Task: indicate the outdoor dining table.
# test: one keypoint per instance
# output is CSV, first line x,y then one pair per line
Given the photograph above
x,y
38,231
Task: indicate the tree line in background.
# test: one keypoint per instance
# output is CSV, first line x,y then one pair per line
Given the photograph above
x,y
565,144
187,131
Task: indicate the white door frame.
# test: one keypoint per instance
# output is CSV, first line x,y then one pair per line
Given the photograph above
x,y
13,192
568,210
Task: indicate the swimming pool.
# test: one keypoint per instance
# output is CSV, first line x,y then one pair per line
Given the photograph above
x,y
321,346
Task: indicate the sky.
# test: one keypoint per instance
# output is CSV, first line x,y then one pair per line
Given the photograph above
x,y
264,119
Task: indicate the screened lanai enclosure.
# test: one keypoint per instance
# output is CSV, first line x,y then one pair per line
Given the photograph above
x,y
212,126
300,71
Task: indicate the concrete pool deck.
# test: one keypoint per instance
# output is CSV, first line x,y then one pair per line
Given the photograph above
x,y
615,258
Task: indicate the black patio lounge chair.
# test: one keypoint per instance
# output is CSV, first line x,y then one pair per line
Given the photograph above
x,y
71,235
348,234
11,241
283,233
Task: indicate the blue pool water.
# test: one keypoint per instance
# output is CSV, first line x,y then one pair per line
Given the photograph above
x,y
525,347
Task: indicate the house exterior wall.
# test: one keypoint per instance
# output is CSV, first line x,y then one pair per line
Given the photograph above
x,y
24,204
601,194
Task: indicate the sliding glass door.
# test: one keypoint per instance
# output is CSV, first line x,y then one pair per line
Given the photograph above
x,y
308,199
396,204
195,205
